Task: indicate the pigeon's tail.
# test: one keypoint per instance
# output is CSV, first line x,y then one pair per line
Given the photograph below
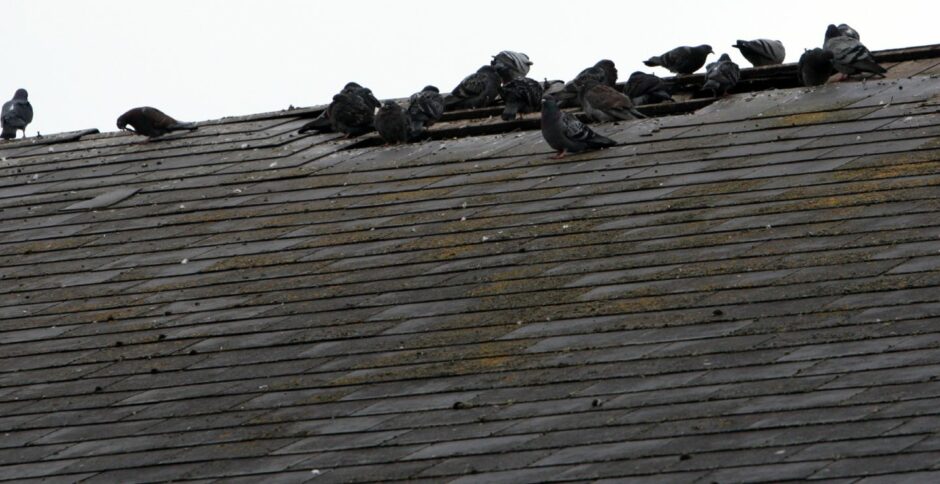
x,y
8,132
653,61
637,114
321,123
599,141
181,126
509,113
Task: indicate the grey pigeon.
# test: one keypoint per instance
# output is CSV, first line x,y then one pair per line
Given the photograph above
x,y
762,52
424,109
603,103
350,112
151,122
848,31
849,56
643,88
392,123
17,114
564,133
815,67
682,60
522,95
604,72
478,90
510,65
721,76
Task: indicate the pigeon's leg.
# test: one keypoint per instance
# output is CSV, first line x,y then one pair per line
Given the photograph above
x,y
561,154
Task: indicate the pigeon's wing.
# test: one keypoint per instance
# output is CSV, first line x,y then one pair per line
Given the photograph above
x,y
578,132
850,56
472,85
606,98
574,129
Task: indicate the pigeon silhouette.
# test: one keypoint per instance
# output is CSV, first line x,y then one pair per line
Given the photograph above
x,y
552,88
392,123
603,103
682,60
510,65
351,114
762,52
849,56
604,72
17,113
643,88
721,76
151,122
522,95
424,109
478,90
566,134
815,67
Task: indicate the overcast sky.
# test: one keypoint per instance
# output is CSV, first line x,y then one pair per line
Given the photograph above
x,y
86,62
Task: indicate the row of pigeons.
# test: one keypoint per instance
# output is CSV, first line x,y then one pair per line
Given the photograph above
x,y
355,110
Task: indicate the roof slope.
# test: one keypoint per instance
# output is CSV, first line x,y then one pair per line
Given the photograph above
x,y
749,292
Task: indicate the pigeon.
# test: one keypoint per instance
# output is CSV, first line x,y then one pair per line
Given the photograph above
x,y
762,52
478,90
553,87
848,31
522,95
510,65
682,60
151,122
424,109
643,88
563,132
392,123
603,103
815,67
849,56
17,113
604,72
355,101
721,76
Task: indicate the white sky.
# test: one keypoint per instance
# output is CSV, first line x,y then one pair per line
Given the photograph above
x,y
86,62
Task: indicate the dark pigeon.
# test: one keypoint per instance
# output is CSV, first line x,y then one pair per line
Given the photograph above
x,y
849,56
762,52
392,123
602,103
522,95
815,67
478,90
604,72
17,113
721,76
682,60
424,109
349,114
643,88
510,65
564,133
151,122
848,31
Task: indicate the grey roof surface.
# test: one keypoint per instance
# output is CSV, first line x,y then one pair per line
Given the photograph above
x,y
745,293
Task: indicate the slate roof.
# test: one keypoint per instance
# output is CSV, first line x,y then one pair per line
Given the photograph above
x,y
748,292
